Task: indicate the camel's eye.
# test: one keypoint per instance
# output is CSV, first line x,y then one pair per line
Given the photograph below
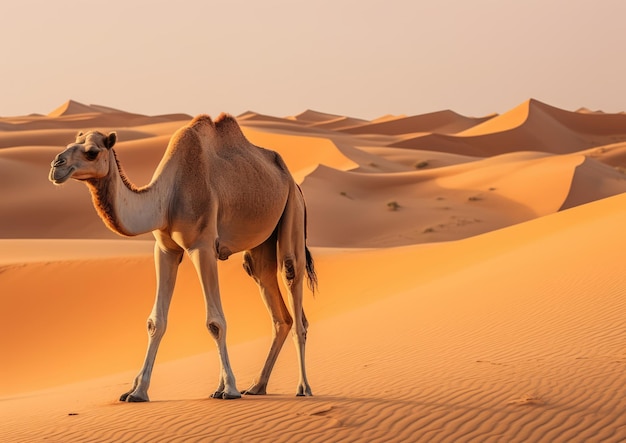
x,y
91,154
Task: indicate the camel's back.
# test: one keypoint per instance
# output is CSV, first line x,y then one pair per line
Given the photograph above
x,y
219,147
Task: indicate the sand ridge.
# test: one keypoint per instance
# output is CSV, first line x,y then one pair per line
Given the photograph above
x,y
471,285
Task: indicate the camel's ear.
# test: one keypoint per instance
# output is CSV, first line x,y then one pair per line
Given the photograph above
x,y
109,140
79,135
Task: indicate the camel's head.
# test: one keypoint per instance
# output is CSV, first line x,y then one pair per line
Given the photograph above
x,y
88,157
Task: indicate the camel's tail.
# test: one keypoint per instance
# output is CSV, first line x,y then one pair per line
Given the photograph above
x,y
310,265
310,271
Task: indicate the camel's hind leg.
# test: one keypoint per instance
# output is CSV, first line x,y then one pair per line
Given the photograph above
x,y
293,266
300,323
260,263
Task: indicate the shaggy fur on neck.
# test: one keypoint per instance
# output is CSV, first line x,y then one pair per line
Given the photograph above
x,y
103,192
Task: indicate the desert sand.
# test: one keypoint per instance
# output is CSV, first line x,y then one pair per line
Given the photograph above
x,y
472,286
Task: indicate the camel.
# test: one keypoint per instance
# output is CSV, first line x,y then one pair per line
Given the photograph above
x,y
212,195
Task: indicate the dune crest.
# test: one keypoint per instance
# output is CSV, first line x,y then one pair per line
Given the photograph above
x,y
71,107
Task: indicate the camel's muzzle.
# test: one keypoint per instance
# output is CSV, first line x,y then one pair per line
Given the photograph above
x,y
59,172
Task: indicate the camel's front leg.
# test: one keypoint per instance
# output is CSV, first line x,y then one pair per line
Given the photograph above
x,y
205,261
166,263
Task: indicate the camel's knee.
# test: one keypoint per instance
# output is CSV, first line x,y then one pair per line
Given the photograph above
x,y
156,327
283,326
299,334
291,271
289,268
217,328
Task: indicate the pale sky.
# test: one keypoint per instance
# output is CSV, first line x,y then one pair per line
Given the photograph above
x,y
362,58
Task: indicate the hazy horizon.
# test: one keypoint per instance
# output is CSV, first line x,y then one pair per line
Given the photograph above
x,y
357,58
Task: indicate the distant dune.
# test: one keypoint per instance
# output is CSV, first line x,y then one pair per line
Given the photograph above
x,y
532,126
442,122
472,285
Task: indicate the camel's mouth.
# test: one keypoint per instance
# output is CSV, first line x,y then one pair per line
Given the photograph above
x,y
58,176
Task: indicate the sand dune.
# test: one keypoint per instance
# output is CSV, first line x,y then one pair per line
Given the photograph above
x,y
471,285
532,126
310,116
251,116
71,107
327,121
76,115
373,210
442,122
613,154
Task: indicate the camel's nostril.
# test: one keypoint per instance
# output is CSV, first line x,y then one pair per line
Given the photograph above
x,y
58,162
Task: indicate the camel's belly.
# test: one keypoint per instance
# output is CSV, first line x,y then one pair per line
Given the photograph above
x,y
237,236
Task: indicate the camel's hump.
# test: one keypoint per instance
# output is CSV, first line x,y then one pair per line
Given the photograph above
x,y
225,126
226,122
228,129
200,120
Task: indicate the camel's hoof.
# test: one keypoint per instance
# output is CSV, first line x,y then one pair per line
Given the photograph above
x,y
133,399
129,398
304,392
223,395
253,393
254,390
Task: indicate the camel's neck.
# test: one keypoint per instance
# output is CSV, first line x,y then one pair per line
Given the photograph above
x,y
124,208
